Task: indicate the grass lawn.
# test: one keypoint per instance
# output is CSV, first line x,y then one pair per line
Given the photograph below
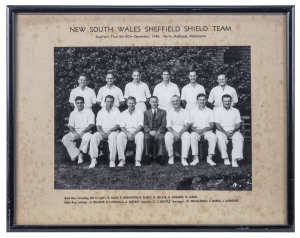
x,y
70,175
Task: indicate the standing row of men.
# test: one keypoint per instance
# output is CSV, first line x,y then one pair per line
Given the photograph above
x,y
163,91
155,122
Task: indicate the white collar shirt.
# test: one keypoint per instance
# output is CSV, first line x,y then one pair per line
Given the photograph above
x,y
113,91
165,93
217,92
227,118
87,93
132,121
177,120
154,110
140,91
189,93
108,120
202,118
80,120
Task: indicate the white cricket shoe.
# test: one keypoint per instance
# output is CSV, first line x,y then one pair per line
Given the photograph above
x,y
227,162
210,161
234,163
93,163
171,160
121,163
80,158
138,163
184,162
112,164
195,161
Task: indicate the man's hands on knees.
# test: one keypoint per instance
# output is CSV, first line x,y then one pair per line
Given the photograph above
x,y
76,135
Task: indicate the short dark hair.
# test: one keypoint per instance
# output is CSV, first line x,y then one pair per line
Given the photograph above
x,y
109,96
154,98
226,96
79,98
193,70
176,96
165,70
136,70
201,95
131,98
111,72
82,74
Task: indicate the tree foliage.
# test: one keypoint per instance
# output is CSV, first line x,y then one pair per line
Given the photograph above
x,y
95,62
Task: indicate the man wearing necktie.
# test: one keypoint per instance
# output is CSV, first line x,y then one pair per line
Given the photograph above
x,y
154,128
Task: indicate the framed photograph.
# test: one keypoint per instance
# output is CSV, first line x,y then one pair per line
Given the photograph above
x,y
150,118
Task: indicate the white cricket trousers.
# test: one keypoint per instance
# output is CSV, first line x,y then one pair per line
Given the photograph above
x,y
68,141
237,145
112,145
185,143
122,142
209,136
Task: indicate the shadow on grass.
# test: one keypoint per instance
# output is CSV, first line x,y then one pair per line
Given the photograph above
x,y
70,175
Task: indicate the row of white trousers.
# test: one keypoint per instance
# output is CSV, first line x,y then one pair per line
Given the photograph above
x,y
117,143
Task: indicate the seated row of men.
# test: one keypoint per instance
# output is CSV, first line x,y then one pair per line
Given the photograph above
x,y
163,91
155,131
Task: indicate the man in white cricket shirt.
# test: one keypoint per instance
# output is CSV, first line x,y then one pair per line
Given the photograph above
x,y
81,121
202,124
83,91
165,90
178,123
110,89
189,92
215,96
131,125
228,123
107,123
138,90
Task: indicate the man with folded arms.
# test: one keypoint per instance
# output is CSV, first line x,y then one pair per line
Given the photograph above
x,y
138,90
131,129
215,96
107,123
81,121
110,89
83,91
202,124
228,123
178,120
154,128
189,92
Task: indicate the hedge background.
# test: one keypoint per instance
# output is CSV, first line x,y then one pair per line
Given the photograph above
x,y
69,62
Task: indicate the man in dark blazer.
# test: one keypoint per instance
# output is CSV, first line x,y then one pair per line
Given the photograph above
x,y
154,128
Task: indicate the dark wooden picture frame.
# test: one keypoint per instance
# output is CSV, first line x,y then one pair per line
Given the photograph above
x,y
11,102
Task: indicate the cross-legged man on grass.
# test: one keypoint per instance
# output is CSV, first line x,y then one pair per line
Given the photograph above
x,y
131,125
107,123
178,120
228,123
202,124
81,121
155,128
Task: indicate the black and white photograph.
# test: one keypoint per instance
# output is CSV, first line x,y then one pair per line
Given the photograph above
x,y
153,118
